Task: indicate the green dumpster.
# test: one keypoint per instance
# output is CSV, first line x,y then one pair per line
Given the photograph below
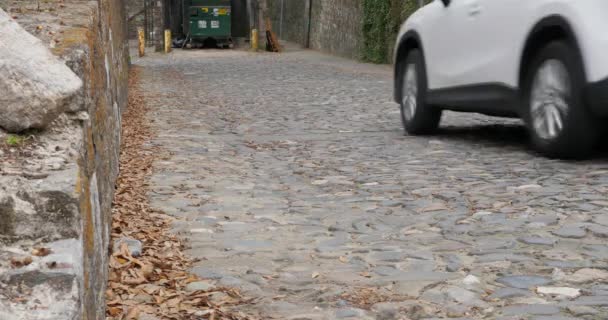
x,y
206,20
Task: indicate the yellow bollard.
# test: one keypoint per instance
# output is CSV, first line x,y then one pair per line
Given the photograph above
x,y
142,41
167,41
254,39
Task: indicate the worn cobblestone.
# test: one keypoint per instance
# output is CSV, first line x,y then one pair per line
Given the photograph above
x,y
291,178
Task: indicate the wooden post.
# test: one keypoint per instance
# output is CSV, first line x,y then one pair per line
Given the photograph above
x,y
142,41
254,39
167,41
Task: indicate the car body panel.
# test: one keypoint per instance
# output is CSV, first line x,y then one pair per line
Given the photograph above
x,y
480,42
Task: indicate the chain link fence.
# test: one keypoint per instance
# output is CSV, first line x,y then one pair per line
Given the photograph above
x,y
289,19
153,23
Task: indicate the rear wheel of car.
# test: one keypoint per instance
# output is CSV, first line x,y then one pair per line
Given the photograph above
x,y
416,115
559,122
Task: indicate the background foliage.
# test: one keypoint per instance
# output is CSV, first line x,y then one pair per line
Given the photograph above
x,y
381,22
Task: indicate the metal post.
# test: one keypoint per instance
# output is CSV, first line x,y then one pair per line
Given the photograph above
x,y
167,40
146,17
281,21
308,24
142,41
254,39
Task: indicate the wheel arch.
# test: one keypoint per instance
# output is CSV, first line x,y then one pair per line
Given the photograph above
x,y
551,28
408,42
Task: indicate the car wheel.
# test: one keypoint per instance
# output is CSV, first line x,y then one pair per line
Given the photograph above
x,y
417,117
559,122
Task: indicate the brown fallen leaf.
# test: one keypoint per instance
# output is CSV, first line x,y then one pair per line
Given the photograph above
x,y
135,281
114,311
154,282
133,314
147,270
21,262
41,252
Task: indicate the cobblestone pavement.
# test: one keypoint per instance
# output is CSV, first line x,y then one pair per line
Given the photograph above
x,y
292,179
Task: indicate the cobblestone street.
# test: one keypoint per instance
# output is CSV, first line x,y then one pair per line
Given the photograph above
x,y
291,179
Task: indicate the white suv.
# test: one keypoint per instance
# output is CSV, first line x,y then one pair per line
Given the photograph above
x,y
545,61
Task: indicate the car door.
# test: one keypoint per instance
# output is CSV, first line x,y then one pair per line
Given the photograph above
x,y
497,29
446,40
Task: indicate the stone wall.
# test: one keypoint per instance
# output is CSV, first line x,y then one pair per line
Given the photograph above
x,y
57,184
335,25
360,29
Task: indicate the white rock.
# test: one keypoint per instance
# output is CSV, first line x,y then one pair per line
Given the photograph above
x,y
135,246
560,291
471,280
527,187
412,231
36,86
482,213
201,230
202,285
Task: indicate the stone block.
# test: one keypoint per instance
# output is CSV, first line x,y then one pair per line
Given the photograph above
x,y
57,191
36,86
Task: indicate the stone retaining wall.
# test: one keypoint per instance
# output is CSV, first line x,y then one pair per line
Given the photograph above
x,y
335,25
57,184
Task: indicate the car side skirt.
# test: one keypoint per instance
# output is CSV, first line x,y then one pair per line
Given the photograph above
x,y
495,99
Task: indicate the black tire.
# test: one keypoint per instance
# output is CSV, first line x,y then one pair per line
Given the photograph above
x,y
580,129
426,118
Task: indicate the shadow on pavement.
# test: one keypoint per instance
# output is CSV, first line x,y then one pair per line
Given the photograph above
x,y
505,135
491,134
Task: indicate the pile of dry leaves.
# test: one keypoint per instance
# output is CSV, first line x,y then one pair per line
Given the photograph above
x,y
153,283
